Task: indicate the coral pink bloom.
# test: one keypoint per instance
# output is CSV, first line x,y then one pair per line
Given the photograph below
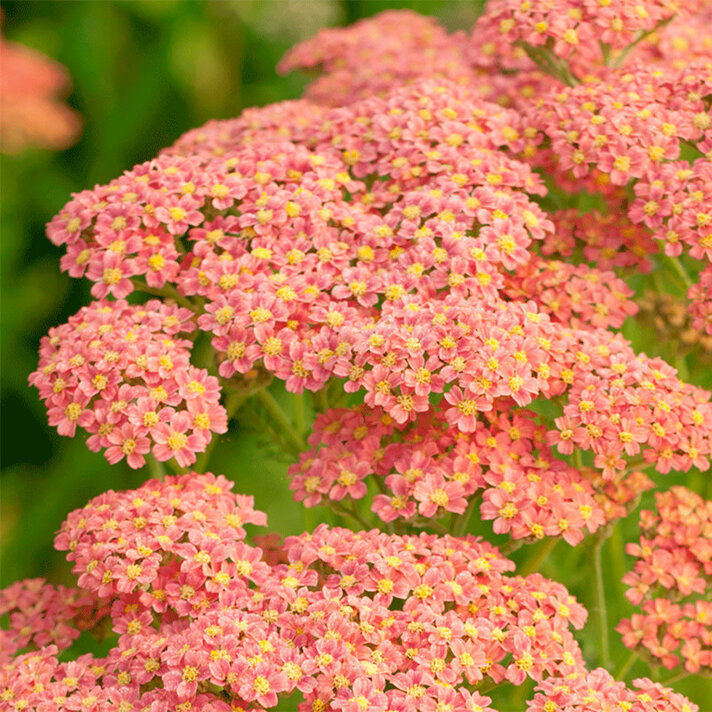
x,y
174,440
464,410
129,442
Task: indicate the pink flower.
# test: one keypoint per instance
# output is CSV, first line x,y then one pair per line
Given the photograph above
x,y
173,440
128,441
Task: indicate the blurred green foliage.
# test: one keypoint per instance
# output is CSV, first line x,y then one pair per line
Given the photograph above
x,y
144,72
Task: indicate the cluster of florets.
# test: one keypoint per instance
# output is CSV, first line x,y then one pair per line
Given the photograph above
x,y
588,33
440,135
173,544
682,41
39,614
672,582
137,225
670,318
628,125
350,621
573,294
374,55
422,284
614,402
598,691
32,113
122,373
607,241
429,470
632,127
700,296
674,203
389,234
622,405
294,120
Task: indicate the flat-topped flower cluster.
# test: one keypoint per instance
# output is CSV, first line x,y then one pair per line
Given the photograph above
x,y
399,621
123,374
672,582
436,245
350,621
391,246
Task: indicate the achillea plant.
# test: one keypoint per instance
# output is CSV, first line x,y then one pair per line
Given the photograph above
x,y
434,252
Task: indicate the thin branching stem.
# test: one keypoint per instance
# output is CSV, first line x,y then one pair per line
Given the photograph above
x,y
681,271
600,609
167,292
534,563
281,420
618,61
464,519
625,665
155,467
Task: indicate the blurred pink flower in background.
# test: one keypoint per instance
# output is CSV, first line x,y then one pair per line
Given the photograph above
x,y
31,113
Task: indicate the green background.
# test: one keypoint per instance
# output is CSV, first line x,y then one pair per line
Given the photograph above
x,y
143,73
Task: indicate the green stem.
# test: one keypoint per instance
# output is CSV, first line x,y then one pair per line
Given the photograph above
x,y
278,415
674,678
308,513
622,56
578,459
550,64
533,564
692,146
350,512
320,400
604,652
510,546
616,560
464,519
680,269
299,414
232,403
625,665
175,467
168,292
605,52
155,467
487,685
637,463
422,523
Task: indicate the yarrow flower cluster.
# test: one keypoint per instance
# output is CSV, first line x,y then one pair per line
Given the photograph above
x,y
436,251
667,315
123,374
422,282
41,615
352,621
680,42
672,581
598,691
136,225
292,120
573,294
164,541
588,33
373,55
428,471
608,241
632,126
700,302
